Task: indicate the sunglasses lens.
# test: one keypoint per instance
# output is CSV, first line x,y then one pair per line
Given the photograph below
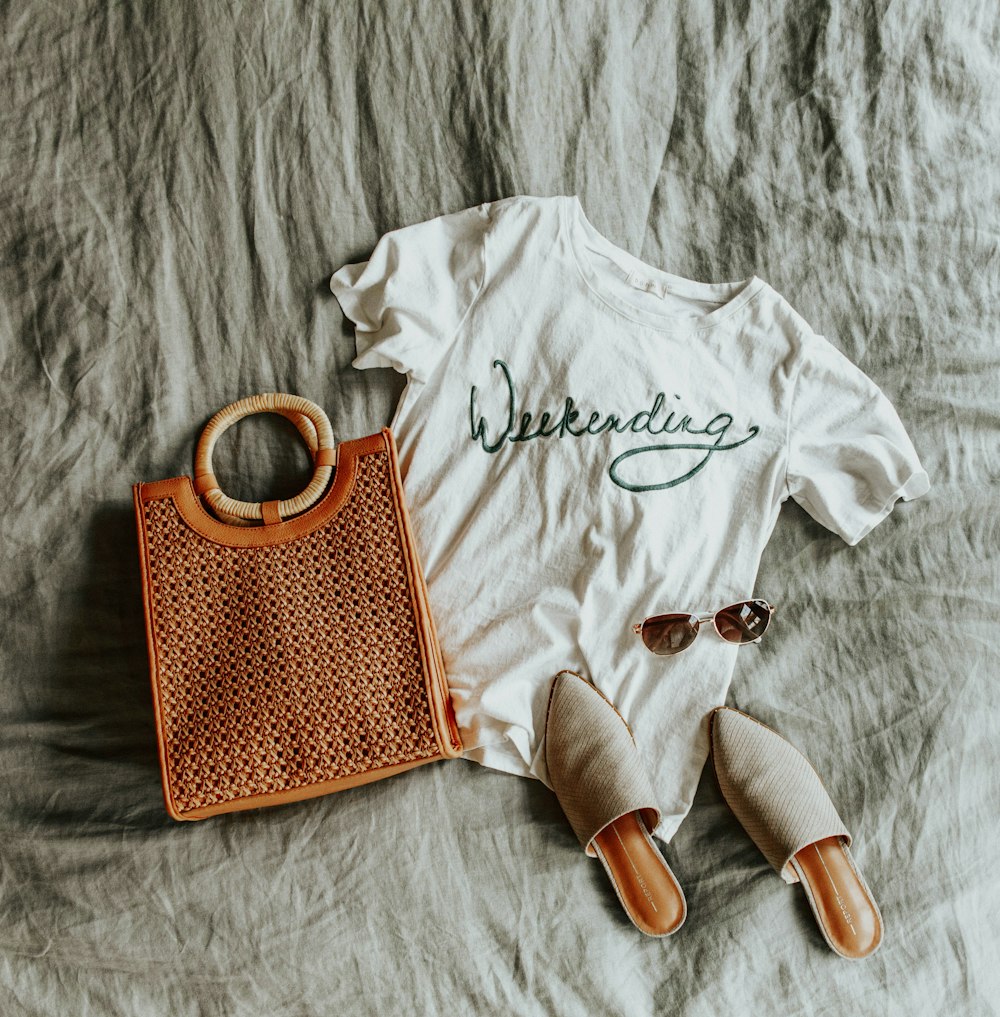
x,y
669,633
744,622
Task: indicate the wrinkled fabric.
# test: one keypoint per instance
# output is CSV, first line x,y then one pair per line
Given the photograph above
x,y
178,182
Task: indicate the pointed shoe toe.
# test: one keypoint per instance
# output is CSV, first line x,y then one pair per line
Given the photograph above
x,y
602,785
782,804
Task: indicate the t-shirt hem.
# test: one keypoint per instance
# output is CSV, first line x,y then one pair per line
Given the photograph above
x,y
669,825
497,756
916,485
344,288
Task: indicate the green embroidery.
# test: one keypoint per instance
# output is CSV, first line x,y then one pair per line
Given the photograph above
x,y
717,428
479,431
710,450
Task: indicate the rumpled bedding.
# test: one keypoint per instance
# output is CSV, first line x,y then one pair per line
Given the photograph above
x,y
177,183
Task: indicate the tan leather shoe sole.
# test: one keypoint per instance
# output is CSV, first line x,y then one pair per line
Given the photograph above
x,y
647,889
845,911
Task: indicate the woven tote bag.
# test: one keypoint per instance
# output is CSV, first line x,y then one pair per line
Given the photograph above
x,y
292,652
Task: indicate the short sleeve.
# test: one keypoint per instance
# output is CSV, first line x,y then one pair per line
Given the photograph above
x,y
849,457
409,299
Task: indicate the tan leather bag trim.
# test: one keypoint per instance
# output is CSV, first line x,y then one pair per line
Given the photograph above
x,y
204,482
269,512
298,794
191,510
435,681
152,657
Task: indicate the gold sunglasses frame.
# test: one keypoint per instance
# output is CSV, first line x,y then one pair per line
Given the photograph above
x,y
704,616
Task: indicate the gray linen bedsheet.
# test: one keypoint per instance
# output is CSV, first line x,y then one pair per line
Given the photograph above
x,y
177,182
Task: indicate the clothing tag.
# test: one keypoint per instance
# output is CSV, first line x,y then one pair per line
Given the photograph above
x,y
641,282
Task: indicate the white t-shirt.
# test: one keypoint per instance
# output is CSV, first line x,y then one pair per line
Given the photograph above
x,y
586,440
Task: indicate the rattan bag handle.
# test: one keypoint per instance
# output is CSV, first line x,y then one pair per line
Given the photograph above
x,y
314,426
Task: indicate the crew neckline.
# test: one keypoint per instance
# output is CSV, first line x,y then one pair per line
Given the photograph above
x,y
582,234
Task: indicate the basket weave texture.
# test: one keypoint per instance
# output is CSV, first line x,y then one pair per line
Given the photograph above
x,y
287,665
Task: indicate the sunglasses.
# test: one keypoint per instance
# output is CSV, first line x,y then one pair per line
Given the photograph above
x,y
740,623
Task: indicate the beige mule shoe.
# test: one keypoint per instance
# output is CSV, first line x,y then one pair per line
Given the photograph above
x,y
602,786
781,802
